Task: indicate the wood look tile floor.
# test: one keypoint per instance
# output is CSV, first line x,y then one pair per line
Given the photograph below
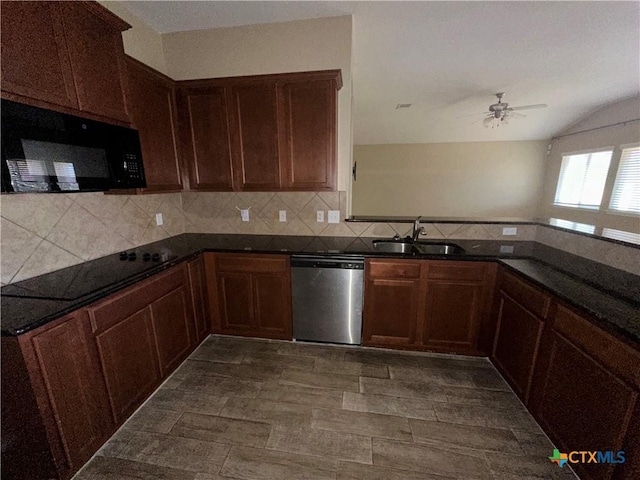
x,y
259,410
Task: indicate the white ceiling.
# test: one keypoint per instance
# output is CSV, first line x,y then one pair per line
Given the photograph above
x,y
448,58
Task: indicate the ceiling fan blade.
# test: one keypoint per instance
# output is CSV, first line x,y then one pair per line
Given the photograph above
x,y
515,115
473,114
529,107
478,120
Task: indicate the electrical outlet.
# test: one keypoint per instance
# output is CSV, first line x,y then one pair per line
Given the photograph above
x,y
510,231
159,220
282,215
244,214
320,216
334,216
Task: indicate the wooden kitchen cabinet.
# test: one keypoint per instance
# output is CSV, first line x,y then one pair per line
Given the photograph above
x,y
586,392
199,300
254,117
94,40
151,100
392,295
260,133
65,56
205,137
426,305
35,58
142,334
61,363
252,295
522,311
309,110
457,295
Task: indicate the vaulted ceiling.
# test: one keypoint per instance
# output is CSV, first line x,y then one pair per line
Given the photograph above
x,y
447,59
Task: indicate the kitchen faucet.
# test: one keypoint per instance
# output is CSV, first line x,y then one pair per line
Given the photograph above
x,y
417,229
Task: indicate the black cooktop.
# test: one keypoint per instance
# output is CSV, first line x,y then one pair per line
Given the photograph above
x,y
89,277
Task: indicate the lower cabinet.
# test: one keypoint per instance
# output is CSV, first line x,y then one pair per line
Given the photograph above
x,y
426,305
142,335
391,304
56,368
75,380
198,287
250,294
522,311
586,393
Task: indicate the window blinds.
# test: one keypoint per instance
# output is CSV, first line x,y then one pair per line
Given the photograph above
x,y
626,189
582,179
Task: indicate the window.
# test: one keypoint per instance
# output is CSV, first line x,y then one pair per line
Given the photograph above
x,y
626,189
578,227
582,179
621,235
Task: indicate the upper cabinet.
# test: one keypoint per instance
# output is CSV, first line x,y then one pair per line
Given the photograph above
x,y
204,135
254,114
309,134
151,100
261,133
64,54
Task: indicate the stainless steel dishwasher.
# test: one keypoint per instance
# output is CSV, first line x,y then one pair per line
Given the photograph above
x,y
327,298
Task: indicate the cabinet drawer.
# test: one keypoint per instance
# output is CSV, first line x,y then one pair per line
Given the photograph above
x,y
527,296
122,305
622,360
393,269
253,263
456,271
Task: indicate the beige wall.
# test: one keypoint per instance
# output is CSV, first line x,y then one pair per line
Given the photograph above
x,y
475,179
140,41
606,137
318,44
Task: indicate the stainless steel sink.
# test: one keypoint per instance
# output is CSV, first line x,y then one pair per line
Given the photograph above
x,y
392,246
438,248
424,248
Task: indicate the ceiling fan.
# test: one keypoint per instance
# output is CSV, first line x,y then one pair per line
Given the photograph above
x,y
500,113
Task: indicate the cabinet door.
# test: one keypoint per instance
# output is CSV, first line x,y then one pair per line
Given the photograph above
x,y
309,137
35,59
236,303
254,113
515,348
204,123
452,315
129,362
97,60
391,303
197,283
587,390
171,325
74,387
151,99
272,304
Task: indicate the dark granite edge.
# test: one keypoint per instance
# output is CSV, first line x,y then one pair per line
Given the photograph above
x,y
69,306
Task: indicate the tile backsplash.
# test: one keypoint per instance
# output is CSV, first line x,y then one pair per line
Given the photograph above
x,y
41,233
45,232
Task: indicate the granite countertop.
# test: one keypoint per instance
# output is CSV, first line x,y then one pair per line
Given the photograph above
x,y
610,295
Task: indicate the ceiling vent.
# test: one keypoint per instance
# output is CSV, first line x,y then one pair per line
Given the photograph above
x,y
402,105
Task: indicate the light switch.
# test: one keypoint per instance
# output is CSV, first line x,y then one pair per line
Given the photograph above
x,y
510,231
282,215
334,216
320,216
159,220
244,214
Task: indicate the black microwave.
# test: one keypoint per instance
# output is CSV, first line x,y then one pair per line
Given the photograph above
x,y
47,151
